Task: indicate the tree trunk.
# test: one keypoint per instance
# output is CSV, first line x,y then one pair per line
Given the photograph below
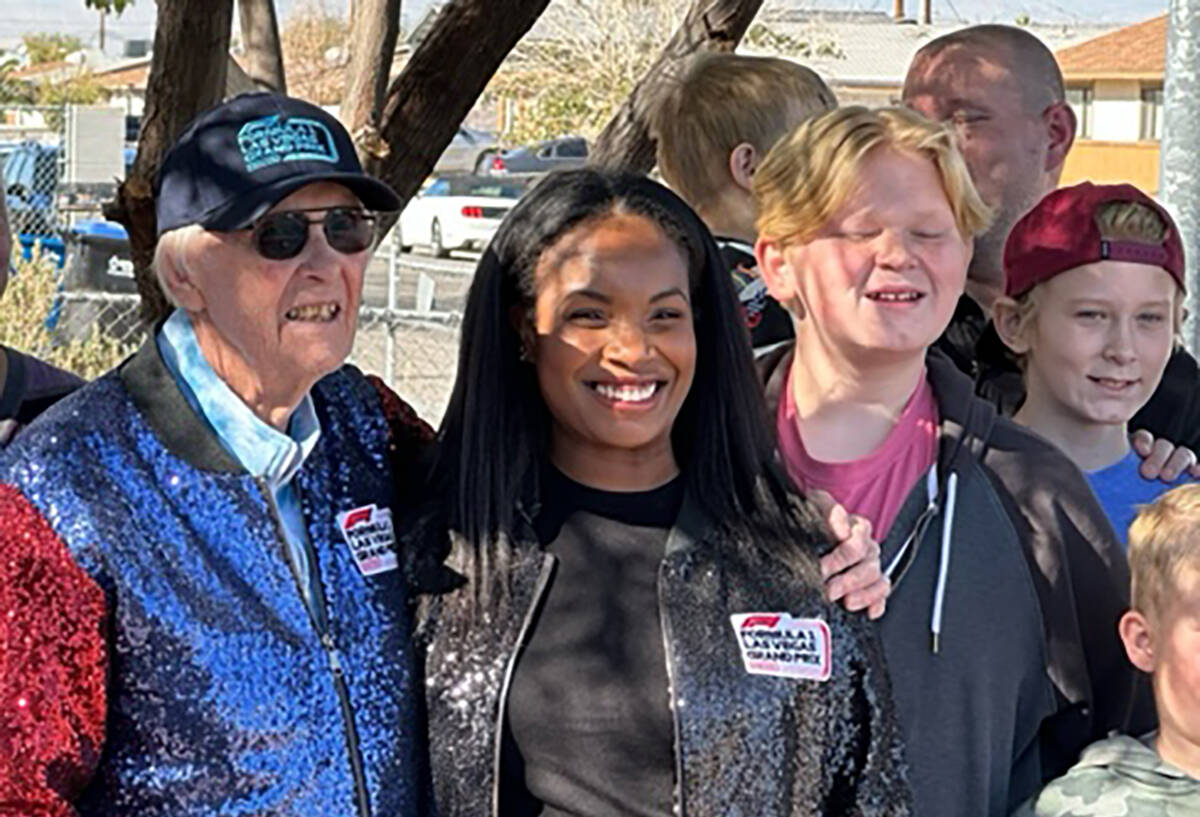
x,y
441,82
710,25
187,76
374,27
260,38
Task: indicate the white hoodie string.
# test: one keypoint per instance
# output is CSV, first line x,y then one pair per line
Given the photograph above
x,y
939,597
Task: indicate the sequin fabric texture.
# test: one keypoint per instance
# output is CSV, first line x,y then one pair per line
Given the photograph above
x,y
747,745
220,696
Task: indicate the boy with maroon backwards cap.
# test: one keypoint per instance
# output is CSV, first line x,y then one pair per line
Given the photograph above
x,y
1094,286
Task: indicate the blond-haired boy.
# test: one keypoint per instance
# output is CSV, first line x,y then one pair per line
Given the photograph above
x,y
1157,775
713,129
1007,579
1093,300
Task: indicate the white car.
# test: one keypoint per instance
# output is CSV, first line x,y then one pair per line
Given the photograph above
x,y
457,212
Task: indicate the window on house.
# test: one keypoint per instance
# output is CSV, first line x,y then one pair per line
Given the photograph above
x,y
1152,113
1081,99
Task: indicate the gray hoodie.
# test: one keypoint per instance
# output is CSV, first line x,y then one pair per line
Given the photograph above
x,y
1120,775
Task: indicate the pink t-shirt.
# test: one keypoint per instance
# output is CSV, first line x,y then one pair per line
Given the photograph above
x,y
876,485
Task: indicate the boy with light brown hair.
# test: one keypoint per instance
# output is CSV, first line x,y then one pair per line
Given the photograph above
x,y
1094,287
1159,773
713,129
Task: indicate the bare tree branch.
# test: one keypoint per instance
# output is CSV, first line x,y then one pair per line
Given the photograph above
x,y
710,25
260,37
441,82
374,28
184,80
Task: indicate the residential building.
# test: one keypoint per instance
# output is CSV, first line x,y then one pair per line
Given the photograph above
x,y
1115,84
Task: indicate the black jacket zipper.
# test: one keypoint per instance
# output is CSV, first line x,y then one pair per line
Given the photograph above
x,y
319,613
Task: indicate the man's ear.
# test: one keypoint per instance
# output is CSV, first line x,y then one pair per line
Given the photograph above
x,y
1006,316
1059,121
176,279
1138,638
775,269
743,161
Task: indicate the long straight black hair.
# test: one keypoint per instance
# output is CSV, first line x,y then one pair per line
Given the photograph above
x,y
495,433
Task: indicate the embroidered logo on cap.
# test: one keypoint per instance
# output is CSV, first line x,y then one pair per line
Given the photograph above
x,y
368,532
777,644
271,140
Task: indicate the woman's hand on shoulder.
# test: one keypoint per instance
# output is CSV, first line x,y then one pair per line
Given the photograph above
x,y
852,571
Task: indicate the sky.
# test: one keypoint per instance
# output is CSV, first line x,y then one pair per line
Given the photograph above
x,y
73,17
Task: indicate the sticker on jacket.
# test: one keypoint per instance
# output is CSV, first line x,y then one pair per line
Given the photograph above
x,y
368,532
777,644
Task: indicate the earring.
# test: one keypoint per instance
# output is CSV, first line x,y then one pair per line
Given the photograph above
x,y
526,354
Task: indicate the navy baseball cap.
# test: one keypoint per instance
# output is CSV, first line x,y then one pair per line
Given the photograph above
x,y
235,161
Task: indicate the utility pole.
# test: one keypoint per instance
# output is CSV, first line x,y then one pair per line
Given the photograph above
x,y
102,15
898,9
1179,172
927,12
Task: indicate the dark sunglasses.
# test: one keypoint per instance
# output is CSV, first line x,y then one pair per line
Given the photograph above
x,y
282,235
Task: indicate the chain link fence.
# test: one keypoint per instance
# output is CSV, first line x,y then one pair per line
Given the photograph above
x,y
75,299
407,330
415,354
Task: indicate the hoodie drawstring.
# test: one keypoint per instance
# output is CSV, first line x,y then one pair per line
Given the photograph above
x,y
939,596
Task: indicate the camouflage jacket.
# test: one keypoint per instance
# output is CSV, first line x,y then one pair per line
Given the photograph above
x,y
1118,777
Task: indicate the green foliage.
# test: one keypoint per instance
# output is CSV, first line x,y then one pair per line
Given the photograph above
x,y
30,295
581,67
50,47
117,6
13,90
761,37
78,90
1023,19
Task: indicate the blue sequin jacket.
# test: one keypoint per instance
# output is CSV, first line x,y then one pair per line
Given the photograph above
x,y
746,745
158,658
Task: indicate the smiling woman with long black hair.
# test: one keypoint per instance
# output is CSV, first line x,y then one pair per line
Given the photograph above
x,y
641,627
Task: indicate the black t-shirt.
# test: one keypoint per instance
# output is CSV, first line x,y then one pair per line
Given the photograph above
x,y
589,731
768,322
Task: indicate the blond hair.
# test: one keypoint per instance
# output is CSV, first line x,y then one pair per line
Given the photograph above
x,y
1163,539
1130,221
808,176
721,101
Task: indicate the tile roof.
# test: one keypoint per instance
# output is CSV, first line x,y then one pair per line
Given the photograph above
x,y
1133,51
877,51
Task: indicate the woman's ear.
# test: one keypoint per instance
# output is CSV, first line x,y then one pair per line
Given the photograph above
x,y
521,318
1006,316
1138,638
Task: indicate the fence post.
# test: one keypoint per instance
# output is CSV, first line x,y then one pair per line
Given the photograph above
x,y
1180,166
389,348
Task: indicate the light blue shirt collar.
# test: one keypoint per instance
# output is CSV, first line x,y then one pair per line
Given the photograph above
x,y
260,448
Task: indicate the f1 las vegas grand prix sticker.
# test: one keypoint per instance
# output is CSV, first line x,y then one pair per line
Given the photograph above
x,y
777,644
368,532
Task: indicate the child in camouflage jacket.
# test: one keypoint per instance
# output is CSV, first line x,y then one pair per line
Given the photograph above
x,y
1159,774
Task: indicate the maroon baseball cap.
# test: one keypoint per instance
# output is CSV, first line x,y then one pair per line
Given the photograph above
x,y
1061,233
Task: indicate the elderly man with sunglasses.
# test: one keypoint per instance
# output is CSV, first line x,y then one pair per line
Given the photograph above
x,y
202,610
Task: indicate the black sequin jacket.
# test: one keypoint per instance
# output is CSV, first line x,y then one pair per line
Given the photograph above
x,y
752,745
